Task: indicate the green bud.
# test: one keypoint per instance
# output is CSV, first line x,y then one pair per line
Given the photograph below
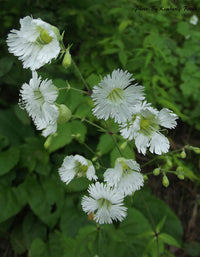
x,y
56,31
64,113
165,181
179,169
196,150
44,36
180,175
47,142
94,159
67,60
123,145
97,165
145,177
169,163
156,171
183,154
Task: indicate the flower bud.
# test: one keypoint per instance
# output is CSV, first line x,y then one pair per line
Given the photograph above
x,y
145,177
123,145
180,175
64,113
156,171
44,36
47,142
183,154
56,31
169,163
165,181
179,169
67,60
196,150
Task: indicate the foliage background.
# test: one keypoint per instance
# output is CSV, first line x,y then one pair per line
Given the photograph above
x,y
39,216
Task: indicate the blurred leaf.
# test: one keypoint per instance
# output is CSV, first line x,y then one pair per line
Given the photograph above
x,y
38,249
33,153
169,240
22,115
32,228
11,201
12,128
8,159
124,24
183,28
5,65
192,248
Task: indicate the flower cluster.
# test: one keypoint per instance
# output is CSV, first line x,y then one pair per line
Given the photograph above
x,y
106,199
117,97
37,43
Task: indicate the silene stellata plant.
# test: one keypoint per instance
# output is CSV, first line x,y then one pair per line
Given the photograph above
x,y
118,97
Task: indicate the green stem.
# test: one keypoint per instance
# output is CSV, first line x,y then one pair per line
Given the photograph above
x,y
90,122
160,156
114,140
80,75
92,151
76,89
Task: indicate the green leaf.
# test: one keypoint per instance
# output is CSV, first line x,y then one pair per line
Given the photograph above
x,y
161,224
17,240
183,28
11,201
71,221
4,142
169,240
32,228
149,205
38,249
33,153
22,115
78,185
5,65
46,198
12,128
105,144
61,138
124,24
8,160
123,58
65,133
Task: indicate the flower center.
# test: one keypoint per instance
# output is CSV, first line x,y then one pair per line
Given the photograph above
x,y
104,203
115,95
44,37
38,96
81,169
148,125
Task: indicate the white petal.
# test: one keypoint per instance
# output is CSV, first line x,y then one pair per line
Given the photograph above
x,y
159,144
167,118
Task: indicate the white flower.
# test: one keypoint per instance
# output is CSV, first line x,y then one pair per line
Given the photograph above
x,y
38,98
194,19
35,43
76,166
115,97
125,176
145,128
105,203
47,128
